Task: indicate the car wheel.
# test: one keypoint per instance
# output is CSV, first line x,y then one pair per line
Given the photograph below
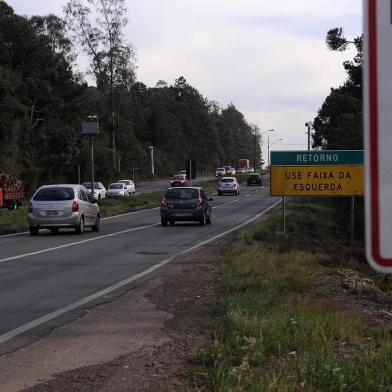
x,y
99,197
54,230
172,223
203,220
209,219
163,222
220,193
34,230
97,224
80,228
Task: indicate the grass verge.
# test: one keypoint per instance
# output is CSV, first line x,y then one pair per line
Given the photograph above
x,y
14,221
275,333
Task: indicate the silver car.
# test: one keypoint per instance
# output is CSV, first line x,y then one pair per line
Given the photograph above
x,y
130,186
117,189
228,185
63,206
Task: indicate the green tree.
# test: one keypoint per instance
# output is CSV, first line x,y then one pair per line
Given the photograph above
x,y
339,122
112,58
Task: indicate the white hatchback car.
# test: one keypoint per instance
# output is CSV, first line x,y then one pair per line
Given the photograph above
x,y
130,186
117,189
63,206
99,189
228,185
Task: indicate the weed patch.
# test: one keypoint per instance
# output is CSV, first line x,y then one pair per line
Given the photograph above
x,y
275,334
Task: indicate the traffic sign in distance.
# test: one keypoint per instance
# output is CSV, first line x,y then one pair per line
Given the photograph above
x,y
317,173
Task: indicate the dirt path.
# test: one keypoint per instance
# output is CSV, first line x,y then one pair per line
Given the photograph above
x,y
138,342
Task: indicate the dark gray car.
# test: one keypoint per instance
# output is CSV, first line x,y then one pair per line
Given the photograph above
x,y
185,204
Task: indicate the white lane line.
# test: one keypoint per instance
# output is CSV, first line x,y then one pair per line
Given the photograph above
x,y
13,234
247,195
50,316
76,243
130,213
107,218
226,204
112,217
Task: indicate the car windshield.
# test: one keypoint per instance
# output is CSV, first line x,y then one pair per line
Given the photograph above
x,y
220,169
178,177
254,175
54,194
116,186
183,193
227,180
88,185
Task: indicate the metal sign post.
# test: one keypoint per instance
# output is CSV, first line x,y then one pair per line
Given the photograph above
x,y
91,128
378,137
317,173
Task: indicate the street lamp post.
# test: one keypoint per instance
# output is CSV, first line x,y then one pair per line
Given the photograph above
x,y
133,173
277,140
308,124
254,153
268,144
152,161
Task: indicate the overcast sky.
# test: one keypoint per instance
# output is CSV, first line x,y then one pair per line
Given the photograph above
x,y
268,57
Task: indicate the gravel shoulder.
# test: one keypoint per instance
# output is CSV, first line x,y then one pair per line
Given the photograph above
x,y
140,341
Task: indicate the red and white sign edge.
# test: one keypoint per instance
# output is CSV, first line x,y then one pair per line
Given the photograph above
x,y
378,133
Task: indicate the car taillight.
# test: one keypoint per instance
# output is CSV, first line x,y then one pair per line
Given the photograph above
x,y
199,201
164,202
75,206
30,209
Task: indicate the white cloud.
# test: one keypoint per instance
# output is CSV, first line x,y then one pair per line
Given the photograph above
x,y
267,57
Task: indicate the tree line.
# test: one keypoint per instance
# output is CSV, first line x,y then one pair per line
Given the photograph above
x,y
44,100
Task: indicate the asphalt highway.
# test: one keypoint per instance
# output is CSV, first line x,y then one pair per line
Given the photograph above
x,y
50,279
159,185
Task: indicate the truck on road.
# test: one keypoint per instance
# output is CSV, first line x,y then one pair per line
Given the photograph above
x,y
11,192
242,165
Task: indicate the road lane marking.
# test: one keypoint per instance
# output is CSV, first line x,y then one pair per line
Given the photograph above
x,y
130,213
102,219
59,312
226,204
76,243
13,234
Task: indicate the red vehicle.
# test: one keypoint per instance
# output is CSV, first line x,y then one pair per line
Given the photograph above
x,y
179,180
11,192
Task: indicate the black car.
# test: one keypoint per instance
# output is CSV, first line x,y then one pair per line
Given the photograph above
x,y
185,204
254,179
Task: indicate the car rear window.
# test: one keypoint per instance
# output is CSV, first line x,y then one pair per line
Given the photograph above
x,y
227,180
54,194
116,186
178,177
254,175
182,193
88,185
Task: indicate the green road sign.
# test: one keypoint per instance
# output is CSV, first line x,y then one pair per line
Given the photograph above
x,y
317,158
